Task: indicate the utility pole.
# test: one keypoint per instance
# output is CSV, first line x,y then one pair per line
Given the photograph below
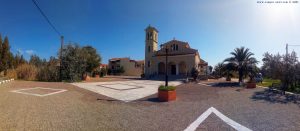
x,y
61,60
166,79
287,66
287,50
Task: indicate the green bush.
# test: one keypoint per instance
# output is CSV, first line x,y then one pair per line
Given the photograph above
x,y
103,72
48,73
167,88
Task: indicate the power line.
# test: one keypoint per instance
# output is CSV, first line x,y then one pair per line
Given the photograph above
x,y
47,19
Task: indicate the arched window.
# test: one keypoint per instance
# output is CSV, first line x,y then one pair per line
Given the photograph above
x,y
149,48
147,36
151,36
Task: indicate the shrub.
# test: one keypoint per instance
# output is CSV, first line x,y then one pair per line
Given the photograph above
x,y
103,72
77,61
194,73
48,73
167,88
12,74
27,72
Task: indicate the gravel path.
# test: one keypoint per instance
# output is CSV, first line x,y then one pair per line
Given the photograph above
x,y
80,109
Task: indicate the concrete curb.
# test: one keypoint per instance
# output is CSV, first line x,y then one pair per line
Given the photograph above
x,y
6,81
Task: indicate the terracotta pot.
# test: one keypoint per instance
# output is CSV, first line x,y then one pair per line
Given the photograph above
x,y
86,77
251,85
165,96
97,76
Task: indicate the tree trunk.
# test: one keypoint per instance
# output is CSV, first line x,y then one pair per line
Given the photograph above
x,y
240,75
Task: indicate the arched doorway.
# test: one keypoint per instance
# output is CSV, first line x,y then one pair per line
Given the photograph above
x,y
172,68
161,68
182,68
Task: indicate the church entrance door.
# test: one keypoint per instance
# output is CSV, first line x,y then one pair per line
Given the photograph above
x,y
173,69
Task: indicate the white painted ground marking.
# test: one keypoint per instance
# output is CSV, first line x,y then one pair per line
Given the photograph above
x,y
125,90
26,93
202,117
204,84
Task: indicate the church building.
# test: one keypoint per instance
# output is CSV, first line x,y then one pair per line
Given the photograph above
x,y
181,57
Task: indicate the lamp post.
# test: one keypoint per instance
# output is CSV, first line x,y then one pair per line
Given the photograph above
x,y
166,68
60,57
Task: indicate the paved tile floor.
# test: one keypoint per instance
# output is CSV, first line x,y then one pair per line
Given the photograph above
x,y
125,90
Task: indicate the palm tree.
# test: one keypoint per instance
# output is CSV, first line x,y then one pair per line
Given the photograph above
x,y
228,70
242,59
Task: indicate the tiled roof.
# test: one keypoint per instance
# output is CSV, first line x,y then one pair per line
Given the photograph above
x,y
186,50
114,59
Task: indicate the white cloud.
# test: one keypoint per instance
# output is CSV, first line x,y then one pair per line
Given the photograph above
x,y
29,52
20,51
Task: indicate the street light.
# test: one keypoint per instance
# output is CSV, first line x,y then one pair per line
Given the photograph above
x,y
166,68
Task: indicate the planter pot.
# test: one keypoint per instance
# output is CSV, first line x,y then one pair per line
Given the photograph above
x,y
165,96
97,76
86,77
251,85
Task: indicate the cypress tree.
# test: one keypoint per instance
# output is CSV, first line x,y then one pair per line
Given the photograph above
x,y
1,65
5,55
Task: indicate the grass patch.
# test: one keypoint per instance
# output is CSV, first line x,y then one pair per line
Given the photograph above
x,y
268,82
167,88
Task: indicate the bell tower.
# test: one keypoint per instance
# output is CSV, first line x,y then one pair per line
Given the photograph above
x,y
150,48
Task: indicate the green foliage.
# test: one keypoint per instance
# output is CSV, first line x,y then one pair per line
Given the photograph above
x,y
195,73
167,88
218,70
103,72
92,58
1,53
37,61
268,82
18,60
286,68
242,62
77,61
6,60
49,71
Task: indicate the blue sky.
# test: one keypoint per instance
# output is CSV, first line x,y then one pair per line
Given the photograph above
x,y
116,27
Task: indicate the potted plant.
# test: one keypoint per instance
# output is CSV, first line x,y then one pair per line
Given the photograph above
x,y
166,93
194,74
252,72
103,72
85,76
97,73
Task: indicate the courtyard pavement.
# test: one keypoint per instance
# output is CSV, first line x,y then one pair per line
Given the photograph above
x,y
125,90
65,107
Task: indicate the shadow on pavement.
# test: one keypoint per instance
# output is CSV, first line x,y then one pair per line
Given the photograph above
x,y
274,96
153,99
225,84
100,99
